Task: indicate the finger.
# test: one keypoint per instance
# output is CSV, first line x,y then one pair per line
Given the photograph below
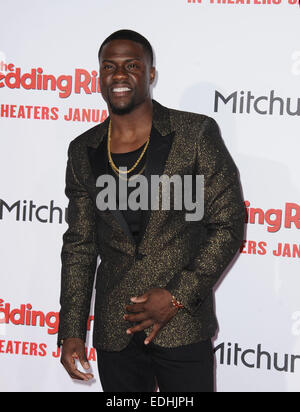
x,y
138,307
144,325
70,366
139,299
76,374
136,318
83,360
155,330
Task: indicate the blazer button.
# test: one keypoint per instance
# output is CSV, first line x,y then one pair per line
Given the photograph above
x,y
139,256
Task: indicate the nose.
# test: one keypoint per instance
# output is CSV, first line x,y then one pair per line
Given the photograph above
x,y
120,73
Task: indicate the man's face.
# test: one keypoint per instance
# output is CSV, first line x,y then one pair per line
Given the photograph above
x,y
125,75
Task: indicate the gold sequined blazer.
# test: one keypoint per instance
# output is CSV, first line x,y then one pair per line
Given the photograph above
x,y
185,257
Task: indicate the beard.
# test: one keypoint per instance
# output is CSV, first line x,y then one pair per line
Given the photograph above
x,y
124,109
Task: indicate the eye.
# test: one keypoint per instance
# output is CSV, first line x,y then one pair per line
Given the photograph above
x,y
107,67
132,66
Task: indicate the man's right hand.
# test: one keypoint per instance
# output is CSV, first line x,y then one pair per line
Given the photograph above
x,y
74,348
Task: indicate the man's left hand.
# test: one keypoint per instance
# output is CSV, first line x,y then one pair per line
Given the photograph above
x,y
154,308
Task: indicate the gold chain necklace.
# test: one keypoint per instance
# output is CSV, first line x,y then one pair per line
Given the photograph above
x,y
132,177
111,162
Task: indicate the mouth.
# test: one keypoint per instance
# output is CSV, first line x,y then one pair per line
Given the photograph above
x,y
121,91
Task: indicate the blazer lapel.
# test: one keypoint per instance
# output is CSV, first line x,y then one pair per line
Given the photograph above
x,y
156,155
160,150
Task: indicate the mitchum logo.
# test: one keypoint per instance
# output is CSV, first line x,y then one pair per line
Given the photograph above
x,y
187,193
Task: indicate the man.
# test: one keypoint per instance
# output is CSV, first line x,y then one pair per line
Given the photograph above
x,y
154,317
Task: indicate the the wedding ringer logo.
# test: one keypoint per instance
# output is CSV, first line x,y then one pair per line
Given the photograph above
x,y
188,193
82,81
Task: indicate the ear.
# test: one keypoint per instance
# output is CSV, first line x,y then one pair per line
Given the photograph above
x,y
152,74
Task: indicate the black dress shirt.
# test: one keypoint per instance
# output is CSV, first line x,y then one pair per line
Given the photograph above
x,y
128,159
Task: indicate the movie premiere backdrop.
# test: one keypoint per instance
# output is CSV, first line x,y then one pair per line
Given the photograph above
x,y
237,61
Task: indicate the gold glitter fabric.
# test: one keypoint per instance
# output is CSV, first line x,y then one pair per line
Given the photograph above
x,y
185,257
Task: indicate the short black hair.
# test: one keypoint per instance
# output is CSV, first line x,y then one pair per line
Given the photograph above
x,y
129,35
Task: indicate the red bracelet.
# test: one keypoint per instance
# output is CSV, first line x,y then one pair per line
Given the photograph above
x,y
176,303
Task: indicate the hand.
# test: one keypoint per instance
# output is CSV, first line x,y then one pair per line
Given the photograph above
x,y
154,308
74,348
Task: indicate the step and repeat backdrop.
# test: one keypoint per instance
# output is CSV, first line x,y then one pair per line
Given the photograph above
x,y
237,61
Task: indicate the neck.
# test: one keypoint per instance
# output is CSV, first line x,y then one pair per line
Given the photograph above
x,y
133,123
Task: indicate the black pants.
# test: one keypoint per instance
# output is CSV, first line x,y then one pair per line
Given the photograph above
x,y
143,368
